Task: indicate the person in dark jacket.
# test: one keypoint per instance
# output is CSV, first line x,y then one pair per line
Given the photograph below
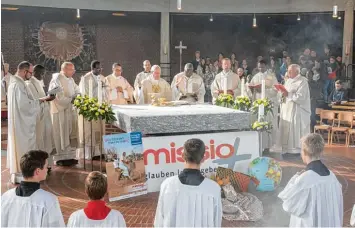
x,y
338,94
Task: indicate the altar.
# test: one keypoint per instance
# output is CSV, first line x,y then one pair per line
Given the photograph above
x,y
226,133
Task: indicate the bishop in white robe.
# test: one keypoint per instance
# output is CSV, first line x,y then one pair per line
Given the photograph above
x,y
138,94
188,82
155,86
44,136
22,119
93,78
63,114
314,196
295,114
121,92
269,139
225,82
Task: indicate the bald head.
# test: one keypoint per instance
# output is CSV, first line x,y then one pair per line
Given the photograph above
x,y
147,66
189,69
156,71
68,69
293,70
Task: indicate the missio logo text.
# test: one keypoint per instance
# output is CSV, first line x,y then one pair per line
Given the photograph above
x,y
173,154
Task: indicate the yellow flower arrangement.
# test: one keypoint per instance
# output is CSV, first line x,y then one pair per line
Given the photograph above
x,y
262,126
225,100
268,105
242,103
90,109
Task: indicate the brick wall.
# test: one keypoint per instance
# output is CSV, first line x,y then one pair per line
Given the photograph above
x,y
12,42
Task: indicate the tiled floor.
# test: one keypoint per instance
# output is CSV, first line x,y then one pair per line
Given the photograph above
x,y
68,184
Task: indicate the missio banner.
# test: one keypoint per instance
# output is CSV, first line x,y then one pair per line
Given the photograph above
x,y
163,155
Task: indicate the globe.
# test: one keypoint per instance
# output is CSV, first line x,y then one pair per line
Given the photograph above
x,y
267,171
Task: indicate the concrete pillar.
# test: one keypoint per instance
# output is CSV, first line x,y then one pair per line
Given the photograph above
x,y
348,36
165,45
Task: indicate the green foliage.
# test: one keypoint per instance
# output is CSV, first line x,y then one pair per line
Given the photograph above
x,y
225,100
91,110
262,126
268,105
242,103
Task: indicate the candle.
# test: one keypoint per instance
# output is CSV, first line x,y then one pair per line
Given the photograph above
x,y
263,89
225,85
261,113
99,91
242,87
82,87
90,88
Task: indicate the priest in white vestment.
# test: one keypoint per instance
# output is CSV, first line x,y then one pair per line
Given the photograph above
x,y
121,92
96,213
155,86
295,114
22,119
138,94
94,78
314,196
44,136
225,82
188,82
28,205
62,112
271,93
189,199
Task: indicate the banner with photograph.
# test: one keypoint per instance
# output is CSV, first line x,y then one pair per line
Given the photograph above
x,y
125,167
163,155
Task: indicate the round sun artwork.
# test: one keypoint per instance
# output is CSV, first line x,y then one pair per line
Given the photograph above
x,y
60,41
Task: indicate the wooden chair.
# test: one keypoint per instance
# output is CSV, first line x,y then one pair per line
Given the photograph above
x,y
330,116
347,119
351,132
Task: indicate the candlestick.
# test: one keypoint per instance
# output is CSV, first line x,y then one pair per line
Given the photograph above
x,y
261,113
99,91
90,88
263,89
225,85
242,87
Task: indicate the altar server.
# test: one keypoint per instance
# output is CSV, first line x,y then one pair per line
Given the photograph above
x,y
269,140
28,205
96,213
226,81
44,137
189,199
88,82
22,113
314,196
156,86
188,82
121,92
138,94
63,116
295,114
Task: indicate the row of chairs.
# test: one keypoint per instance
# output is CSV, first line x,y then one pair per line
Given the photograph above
x,y
337,122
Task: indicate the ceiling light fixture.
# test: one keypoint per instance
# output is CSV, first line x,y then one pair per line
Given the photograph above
x,y
178,4
339,18
9,8
211,18
298,17
335,11
78,13
119,14
254,22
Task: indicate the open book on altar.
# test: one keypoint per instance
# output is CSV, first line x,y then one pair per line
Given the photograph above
x,y
280,88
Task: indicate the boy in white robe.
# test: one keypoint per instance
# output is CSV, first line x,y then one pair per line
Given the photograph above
x,y
155,85
121,92
314,196
27,205
96,213
189,200
138,94
188,82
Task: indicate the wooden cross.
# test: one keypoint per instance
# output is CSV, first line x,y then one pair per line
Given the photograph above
x,y
180,47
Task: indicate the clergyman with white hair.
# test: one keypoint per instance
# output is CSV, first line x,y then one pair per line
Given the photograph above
x,y
295,113
155,86
63,120
313,196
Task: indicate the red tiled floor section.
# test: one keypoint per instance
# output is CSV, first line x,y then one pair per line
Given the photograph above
x,y
68,184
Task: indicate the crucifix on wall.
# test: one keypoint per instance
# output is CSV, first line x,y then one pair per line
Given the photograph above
x,y
180,47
